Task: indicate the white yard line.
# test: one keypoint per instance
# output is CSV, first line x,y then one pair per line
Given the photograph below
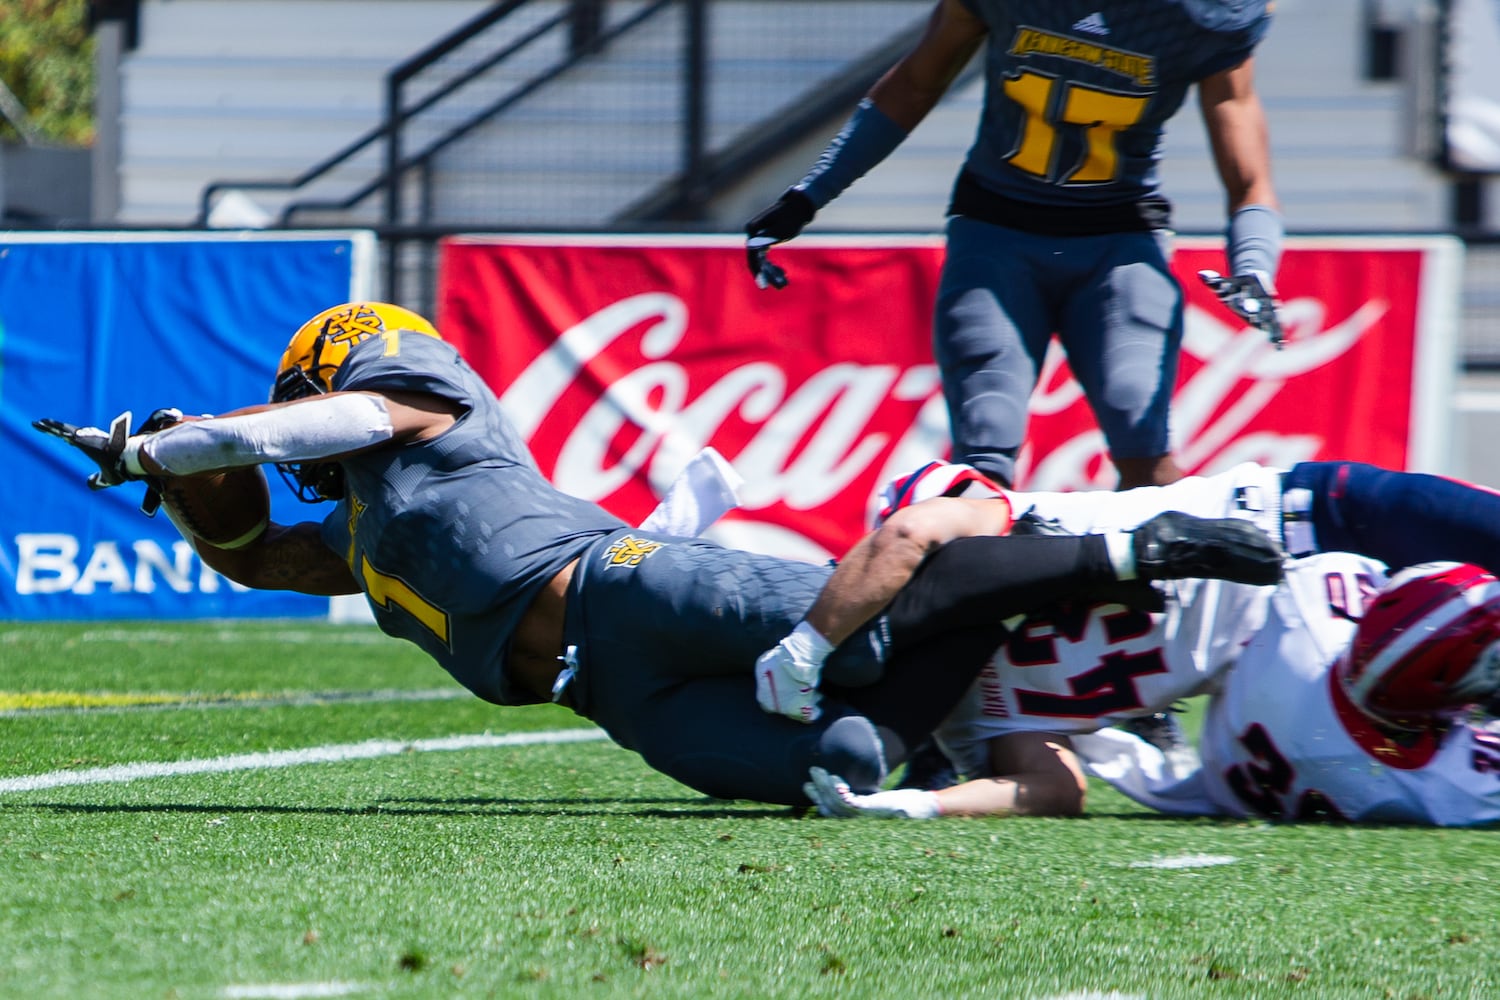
x,y
1187,861
293,991
331,754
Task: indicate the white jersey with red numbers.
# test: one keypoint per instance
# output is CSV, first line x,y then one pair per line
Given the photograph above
x,y
1281,740
1078,668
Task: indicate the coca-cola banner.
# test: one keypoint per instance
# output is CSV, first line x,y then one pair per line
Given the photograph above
x,y
620,358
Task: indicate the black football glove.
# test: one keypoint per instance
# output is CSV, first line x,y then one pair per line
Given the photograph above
x,y
1250,296
106,448
782,221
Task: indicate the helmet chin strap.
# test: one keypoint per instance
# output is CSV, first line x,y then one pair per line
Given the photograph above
x,y
313,482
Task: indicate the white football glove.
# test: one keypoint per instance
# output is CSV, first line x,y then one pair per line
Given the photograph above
x,y
1250,296
834,798
786,676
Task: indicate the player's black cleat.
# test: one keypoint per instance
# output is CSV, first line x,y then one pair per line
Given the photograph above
x,y
1174,545
1161,730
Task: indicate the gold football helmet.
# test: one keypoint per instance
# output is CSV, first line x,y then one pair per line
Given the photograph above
x,y
320,346
316,352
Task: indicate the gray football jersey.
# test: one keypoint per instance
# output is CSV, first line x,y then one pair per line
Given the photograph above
x,y
452,538
1078,92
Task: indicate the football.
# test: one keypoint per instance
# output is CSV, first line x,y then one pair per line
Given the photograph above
x,y
228,509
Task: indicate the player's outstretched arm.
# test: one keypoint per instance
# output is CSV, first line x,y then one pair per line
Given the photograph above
x,y
329,426
283,558
1040,776
1037,774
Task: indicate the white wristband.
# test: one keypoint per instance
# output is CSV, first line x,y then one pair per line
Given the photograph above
x,y
807,645
131,456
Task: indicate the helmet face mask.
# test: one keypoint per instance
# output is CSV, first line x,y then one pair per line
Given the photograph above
x,y
313,357
1427,648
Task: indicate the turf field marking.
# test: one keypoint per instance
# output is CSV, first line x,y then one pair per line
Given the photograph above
x,y
1187,861
28,703
293,991
331,754
350,636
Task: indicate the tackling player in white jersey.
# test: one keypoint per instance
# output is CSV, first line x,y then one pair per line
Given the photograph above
x,y
1076,669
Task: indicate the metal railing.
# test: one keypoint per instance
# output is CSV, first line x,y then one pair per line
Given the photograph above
x,y
672,102
580,18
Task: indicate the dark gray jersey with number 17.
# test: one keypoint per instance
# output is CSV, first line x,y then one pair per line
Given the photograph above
x,y
1078,93
452,538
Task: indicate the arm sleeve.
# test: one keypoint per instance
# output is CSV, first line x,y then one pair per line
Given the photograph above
x,y
315,428
1253,241
869,137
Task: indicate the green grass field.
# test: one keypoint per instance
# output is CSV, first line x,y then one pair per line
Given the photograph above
x,y
473,868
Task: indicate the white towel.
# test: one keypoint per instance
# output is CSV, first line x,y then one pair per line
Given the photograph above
x,y
704,491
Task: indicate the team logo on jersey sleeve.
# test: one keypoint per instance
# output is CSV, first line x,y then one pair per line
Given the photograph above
x,y
628,550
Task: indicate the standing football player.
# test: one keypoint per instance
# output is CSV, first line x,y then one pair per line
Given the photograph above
x,y
1057,224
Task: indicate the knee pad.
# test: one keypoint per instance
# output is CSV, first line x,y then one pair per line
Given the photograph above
x,y
851,747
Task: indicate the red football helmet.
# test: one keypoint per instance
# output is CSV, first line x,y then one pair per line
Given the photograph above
x,y
1428,645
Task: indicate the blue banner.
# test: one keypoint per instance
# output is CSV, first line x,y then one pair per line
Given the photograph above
x,y
94,324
